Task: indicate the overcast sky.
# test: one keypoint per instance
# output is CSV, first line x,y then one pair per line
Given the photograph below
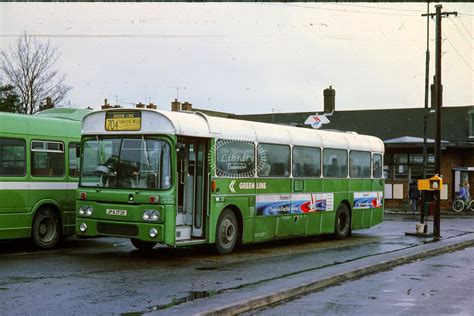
x,y
249,57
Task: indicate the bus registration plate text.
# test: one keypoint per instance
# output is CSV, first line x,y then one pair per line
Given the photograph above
x,y
115,212
123,121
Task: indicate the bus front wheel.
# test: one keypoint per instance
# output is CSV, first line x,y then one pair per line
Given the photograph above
x,y
227,232
46,230
343,222
142,245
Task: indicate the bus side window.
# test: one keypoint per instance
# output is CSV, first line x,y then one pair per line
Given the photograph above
x,y
47,159
12,157
273,160
335,163
377,166
73,162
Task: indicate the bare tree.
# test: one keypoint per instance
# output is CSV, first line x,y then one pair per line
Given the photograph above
x,y
29,67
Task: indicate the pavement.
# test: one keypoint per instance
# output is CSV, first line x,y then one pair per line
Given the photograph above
x,y
241,300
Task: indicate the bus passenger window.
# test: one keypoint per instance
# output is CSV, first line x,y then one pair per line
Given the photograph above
x,y
73,160
273,160
235,158
359,164
377,165
47,159
335,163
306,162
12,157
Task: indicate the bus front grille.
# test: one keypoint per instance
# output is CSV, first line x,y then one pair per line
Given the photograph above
x,y
117,229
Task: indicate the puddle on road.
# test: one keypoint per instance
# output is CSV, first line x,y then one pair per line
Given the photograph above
x,y
193,295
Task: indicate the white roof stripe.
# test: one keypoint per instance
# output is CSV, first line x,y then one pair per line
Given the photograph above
x,y
201,125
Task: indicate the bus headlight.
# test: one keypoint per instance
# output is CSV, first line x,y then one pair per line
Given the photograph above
x,y
153,232
151,215
89,211
83,227
86,210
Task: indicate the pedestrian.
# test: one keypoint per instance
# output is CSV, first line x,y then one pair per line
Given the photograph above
x,y
414,196
467,189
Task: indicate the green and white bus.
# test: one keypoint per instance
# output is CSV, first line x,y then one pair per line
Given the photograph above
x,y
39,172
184,178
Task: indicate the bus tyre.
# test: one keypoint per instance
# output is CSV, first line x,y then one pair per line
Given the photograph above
x,y
343,222
227,232
142,245
46,230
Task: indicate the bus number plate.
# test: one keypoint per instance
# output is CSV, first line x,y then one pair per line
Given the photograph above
x,y
114,212
123,121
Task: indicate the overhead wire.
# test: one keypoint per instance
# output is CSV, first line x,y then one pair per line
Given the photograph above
x,y
457,52
344,10
465,27
377,8
462,33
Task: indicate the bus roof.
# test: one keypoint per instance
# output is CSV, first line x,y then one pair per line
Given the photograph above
x,y
65,113
49,124
198,124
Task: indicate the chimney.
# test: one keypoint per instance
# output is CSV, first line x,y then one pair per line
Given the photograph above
x,y
329,100
140,106
151,106
186,106
175,105
106,105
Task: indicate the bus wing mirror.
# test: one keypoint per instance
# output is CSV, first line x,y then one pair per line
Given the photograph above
x,y
78,151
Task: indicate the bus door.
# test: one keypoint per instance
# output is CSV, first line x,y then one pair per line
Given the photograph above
x,y
192,188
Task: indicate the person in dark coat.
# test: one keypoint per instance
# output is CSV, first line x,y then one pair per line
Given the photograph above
x,y
414,196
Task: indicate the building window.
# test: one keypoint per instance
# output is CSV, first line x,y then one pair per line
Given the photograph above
x,y
471,123
401,172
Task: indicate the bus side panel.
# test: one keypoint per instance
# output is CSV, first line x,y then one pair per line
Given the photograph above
x,y
378,185
243,203
274,200
15,212
338,187
312,219
360,216
170,224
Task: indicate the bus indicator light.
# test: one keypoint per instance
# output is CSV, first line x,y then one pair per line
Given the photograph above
x,y
83,195
213,186
154,199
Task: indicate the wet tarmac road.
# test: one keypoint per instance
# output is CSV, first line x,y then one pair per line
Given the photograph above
x,y
441,285
107,276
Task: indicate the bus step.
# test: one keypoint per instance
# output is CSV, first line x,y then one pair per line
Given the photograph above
x,y
183,232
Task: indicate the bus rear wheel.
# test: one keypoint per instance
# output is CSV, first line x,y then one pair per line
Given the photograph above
x,y
142,245
343,222
46,229
227,232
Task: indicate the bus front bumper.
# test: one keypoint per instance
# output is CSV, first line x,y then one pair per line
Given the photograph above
x,y
143,231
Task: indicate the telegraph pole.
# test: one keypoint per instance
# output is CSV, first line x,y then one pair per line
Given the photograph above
x,y
439,105
427,74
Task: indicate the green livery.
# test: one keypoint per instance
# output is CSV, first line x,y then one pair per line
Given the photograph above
x,y
185,178
39,172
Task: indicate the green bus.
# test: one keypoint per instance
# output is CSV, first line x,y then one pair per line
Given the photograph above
x,y
184,178
39,172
